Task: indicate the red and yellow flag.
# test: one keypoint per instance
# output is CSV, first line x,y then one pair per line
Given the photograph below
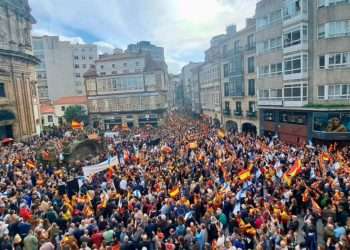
x,y
221,134
316,208
77,125
296,169
244,175
30,164
174,192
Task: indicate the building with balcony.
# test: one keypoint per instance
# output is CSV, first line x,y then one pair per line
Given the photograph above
x,y
175,92
190,82
18,117
238,77
126,89
60,72
303,69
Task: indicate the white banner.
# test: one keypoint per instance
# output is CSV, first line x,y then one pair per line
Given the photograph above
x,y
94,169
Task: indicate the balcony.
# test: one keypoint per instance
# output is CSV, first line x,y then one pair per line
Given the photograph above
x,y
270,102
251,114
227,112
250,47
301,46
4,101
238,113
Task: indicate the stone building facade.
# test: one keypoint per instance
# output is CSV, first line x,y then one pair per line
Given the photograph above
x,y
17,78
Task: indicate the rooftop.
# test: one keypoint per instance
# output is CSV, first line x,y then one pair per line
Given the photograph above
x,y
46,109
71,100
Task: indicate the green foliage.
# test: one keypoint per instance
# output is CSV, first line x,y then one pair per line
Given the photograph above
x,y
76,113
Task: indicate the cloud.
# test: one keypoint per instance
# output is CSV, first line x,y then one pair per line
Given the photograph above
x,y
73,40
104,47
183,27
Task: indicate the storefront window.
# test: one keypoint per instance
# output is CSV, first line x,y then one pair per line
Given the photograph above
x,y
293,118
269,116
336,122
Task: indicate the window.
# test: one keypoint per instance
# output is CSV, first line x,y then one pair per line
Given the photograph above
x,y
226,89
326,3
269,116
270,70
2,89
63,108
251,64
334,29
292,9
77,74
321,92
76,66
49,118
226,70
251,87
76,57
137,63
113,65
252,107
91,58
339,91
295,92
292,38
275,16
338,60
84,66
103,73
238,106
83,57
293,65
101,66
269,45
125,64
251,41
293,118
227,105
322,62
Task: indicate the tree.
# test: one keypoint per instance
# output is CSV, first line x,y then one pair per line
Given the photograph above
x,y
76,113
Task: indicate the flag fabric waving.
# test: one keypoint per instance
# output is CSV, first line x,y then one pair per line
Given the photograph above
x,y
244,175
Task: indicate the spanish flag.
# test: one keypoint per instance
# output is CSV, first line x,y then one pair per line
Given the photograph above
x,y
221,134
287,179
193,145
30,164
325,156
296,169
77,125
316,208
244,175
174,192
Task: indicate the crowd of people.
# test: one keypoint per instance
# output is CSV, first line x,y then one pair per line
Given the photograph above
x,y
196,187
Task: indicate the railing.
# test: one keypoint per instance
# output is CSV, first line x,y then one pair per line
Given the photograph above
x,y
227,112
251,113
238,113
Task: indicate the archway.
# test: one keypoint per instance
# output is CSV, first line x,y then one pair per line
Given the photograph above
x,y
216,123
231,126
249,128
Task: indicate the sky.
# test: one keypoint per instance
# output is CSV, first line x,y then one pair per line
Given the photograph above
x,y
183,27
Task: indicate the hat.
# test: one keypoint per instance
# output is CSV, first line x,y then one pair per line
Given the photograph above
x,y
17,239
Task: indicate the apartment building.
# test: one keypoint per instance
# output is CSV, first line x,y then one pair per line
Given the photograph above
x,y
175,92
210,82
60,72
126,89
190,87
303,69
238,77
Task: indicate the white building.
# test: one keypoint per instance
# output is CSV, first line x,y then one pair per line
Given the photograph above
x,y
62,66
128,89
190,86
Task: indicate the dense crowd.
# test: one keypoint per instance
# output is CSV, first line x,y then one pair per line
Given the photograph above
x,y
195,188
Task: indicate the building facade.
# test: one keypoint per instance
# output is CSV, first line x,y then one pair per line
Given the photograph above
x,y
17,78
238,76
190,87
175,92
303,69
60,72
146,47
126,89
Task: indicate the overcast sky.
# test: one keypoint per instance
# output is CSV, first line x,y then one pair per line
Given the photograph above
x,y
182,27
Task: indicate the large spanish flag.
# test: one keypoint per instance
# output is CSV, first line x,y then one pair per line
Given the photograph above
x,y
244,175
296,169
174,192
77,125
